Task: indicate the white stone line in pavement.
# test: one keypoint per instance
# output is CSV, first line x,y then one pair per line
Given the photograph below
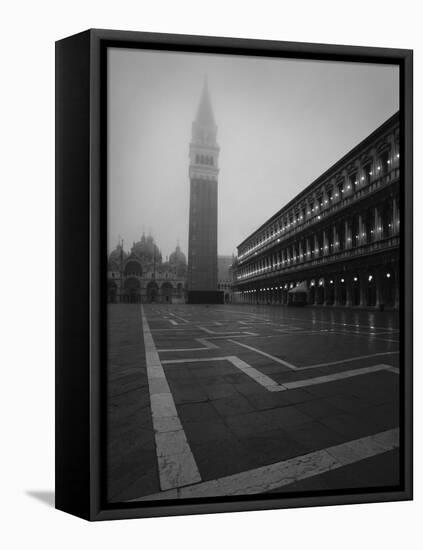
x,y
176,462
173,322
271,385
206,346
185,330
179,317
226,333
268,355
194,360
332,377
349,359
317,365
286,472
253,373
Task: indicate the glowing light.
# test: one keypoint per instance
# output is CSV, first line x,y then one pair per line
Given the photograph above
x,y
370,278
331,282
388,275
355,279
342,280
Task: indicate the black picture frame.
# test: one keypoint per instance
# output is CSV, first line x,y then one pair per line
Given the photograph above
x,y
81,258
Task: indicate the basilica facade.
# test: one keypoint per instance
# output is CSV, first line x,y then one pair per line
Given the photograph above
x,y
141,275
337,243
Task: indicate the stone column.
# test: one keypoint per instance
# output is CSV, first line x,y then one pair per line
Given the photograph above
x,y
376,231
348,283
316,247
335,246
395,217
325,244
348,241
379,286
337,291
396,289
361,231
363,288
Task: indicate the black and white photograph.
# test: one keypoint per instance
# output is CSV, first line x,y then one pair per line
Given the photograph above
x,y
253,276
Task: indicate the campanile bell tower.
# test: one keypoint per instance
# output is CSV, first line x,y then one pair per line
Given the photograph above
x,y
203,172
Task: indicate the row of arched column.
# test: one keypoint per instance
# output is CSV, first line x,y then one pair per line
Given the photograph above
x,y
132,292
373,287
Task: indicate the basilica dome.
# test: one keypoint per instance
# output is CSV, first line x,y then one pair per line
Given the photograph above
x,y
177,256
178,261
116,258
147,250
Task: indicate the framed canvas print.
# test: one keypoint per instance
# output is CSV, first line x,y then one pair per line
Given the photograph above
x,y
234,274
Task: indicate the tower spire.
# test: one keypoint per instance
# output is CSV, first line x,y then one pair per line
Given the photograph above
x,y
205,115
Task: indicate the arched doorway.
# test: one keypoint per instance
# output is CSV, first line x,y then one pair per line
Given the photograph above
x,y
152,292
320,292
312,292
132,290
388,288
133,268
371,290
167,292
342,291
356,290
330,292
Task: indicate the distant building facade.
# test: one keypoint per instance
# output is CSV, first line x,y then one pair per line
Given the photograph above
x,y
224,276
338,240
203,173
141,276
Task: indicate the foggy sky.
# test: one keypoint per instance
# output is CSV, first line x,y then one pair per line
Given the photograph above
x,y
281,123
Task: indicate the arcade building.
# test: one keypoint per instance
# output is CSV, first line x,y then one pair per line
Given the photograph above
x,y
337,242
141,276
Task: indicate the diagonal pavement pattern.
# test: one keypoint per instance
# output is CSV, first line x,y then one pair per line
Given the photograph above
x,y
231,400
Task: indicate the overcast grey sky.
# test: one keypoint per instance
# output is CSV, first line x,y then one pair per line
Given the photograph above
x,y
281,123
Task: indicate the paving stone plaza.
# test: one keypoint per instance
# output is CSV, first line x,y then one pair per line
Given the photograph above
x,y
231,399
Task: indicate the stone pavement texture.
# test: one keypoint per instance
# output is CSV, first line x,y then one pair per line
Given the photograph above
x,y
212,400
